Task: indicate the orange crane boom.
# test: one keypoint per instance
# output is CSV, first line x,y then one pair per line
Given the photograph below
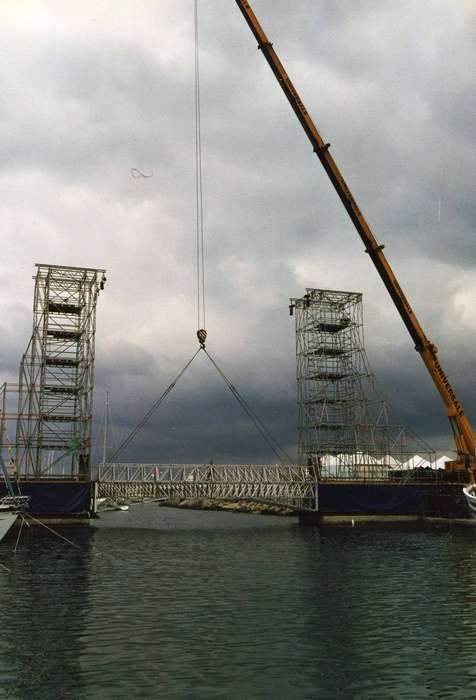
x,y
462,431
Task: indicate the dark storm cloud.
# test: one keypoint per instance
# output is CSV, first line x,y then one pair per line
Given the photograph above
x,y
415,401
99,109
92,91
13,338
201,419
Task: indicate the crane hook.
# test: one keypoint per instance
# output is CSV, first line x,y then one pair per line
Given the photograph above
x,y
202,336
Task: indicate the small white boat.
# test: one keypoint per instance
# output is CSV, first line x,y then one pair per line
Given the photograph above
x,y
106,504
470,495
10,507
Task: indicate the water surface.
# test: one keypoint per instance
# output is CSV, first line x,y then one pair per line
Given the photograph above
x,y
169,603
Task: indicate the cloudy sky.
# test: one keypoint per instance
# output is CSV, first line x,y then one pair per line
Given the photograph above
x,y
93,89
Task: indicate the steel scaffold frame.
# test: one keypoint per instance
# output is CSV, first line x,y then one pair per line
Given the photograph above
x,y
343,424
8,397
56,377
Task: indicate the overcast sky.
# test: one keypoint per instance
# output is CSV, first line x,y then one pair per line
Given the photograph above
x,y
92,89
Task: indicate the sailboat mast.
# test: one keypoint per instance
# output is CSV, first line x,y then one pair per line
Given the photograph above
x,y
104,436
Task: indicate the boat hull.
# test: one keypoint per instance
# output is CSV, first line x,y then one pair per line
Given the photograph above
x,y
6,521
56,499
470,496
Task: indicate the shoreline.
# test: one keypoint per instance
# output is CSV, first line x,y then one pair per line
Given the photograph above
x,y
229,506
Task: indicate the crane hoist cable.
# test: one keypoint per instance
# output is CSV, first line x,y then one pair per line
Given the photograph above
x,y
276,448
201,310
200,254
201,307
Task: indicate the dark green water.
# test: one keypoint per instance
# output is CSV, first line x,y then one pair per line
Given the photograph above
x,y
161,603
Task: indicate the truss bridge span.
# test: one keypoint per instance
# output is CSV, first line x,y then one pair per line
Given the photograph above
x,y
291,486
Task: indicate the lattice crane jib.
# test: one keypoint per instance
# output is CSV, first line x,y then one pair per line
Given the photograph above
x,y
56,377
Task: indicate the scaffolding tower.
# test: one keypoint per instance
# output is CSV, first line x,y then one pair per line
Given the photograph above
x,y
343,421
56,378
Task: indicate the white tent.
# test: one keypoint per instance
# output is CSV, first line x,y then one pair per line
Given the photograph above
x,y
416,462
389,461
440,463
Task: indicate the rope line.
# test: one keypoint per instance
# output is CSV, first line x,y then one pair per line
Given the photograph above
x,y
126,442
26,516
19,535
201,311
271,441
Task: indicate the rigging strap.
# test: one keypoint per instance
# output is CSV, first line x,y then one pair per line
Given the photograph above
x,y
279,451
125,443
271,441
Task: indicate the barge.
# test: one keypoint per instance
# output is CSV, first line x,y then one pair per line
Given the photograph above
x,y
426,495
67,502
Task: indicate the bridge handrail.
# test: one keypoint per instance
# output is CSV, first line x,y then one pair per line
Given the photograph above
x,y
215,473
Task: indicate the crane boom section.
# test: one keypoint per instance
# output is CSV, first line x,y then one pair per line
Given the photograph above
x,y
463,432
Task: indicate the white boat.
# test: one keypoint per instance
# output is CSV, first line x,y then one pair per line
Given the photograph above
x,y
10,507
470,495
6,521
105,504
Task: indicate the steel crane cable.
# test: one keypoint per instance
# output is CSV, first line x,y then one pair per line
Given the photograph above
x,y
271,441
201,310
126,442
279,451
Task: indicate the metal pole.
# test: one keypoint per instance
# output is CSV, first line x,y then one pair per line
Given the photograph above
x,y
104,439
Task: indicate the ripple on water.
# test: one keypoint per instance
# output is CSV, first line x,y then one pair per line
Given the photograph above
x,y
204,604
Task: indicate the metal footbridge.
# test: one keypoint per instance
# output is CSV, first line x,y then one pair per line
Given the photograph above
x,y
292,486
